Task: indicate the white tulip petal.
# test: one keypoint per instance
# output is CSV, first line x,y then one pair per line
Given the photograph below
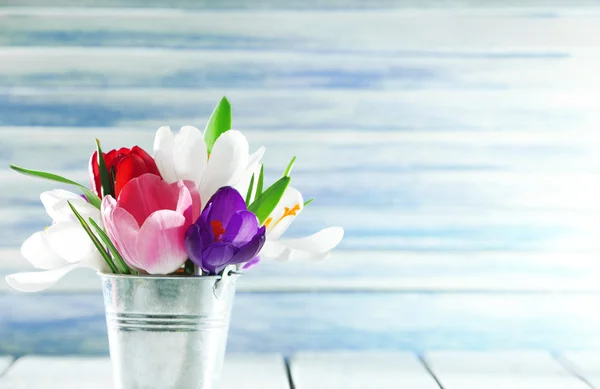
x,y
253,169
37,251
163,154
71,242
189,154
227,163
57,207
290,206
37,281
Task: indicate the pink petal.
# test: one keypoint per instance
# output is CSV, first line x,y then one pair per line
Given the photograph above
x,y
146,194
122,230
188,203
160,242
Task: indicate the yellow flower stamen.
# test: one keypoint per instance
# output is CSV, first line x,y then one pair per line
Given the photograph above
x,y
286,212
290,211
268,221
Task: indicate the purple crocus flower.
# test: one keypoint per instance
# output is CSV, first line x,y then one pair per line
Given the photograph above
x,y
225,234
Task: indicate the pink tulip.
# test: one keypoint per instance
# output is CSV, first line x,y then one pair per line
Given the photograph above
x,y
148,222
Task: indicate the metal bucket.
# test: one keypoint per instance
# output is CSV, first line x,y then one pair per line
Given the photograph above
x,y
167,332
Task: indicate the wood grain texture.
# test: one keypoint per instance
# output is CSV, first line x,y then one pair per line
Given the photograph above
x,y
319,109
346,370
495,370
327,370
254,371
584,363
457,147
390,271
247,371
5,362
302,5
74,323
58,373
501,32
106,67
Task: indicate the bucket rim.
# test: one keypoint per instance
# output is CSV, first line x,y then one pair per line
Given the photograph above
x,y
166,277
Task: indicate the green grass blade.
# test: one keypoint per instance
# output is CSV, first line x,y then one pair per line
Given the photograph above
x,y
218,123
268,200
261,180
105,178
250,188
48,176
288,170
91,197
111,247
94,239
308,202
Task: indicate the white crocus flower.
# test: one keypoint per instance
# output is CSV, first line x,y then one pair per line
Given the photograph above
x,y
60,248
184,157
316,246
253,169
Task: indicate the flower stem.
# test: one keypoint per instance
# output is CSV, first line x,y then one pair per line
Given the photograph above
x,y
188,269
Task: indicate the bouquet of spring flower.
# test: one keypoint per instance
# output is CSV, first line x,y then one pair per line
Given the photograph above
x,y
200,206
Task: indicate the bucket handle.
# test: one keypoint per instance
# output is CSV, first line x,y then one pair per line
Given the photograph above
x,y
225,281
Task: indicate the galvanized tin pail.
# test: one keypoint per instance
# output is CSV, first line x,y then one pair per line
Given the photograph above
x,y
167,332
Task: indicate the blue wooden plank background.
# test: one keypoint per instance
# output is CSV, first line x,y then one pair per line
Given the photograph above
x,y
457,147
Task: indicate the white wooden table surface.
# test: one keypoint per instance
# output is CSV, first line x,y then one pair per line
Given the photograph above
x,y
333,370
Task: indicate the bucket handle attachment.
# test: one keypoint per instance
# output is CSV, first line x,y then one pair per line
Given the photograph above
x,y
225,281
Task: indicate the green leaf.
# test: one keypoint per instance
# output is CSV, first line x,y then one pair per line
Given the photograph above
x,y
218,123
288,170
91,197
261,180
250,188
308,202
111,247
268,200
94,239
105,177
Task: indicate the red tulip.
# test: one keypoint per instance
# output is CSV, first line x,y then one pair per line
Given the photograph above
x,y
123,165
